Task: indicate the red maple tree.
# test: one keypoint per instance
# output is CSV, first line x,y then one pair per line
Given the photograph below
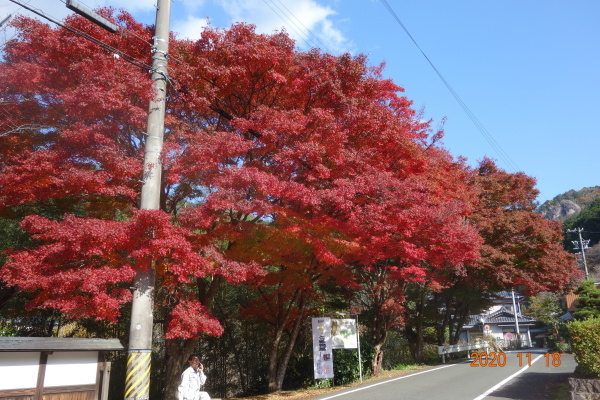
x,y
280,170
273,158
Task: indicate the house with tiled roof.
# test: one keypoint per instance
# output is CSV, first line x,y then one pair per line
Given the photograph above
x,y
503,321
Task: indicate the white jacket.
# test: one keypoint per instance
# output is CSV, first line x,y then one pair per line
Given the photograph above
x,y
191,385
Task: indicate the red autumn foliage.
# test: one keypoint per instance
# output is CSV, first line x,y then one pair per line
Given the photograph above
x,y
521,248
284,170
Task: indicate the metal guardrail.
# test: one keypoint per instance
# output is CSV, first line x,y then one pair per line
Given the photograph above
x,y
455,348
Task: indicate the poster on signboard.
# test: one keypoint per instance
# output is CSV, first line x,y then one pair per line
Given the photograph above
x,y
343,333
322,348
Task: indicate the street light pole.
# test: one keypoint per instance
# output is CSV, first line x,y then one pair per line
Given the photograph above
x,y
137,380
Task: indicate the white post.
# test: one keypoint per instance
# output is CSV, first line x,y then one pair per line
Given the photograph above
x,y
358,348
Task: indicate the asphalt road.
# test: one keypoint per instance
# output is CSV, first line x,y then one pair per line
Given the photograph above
x,y
516,380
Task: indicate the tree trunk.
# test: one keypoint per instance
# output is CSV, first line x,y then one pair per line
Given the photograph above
x,y
272,377
414,331
177,352
272,371
380,331
6,293
291,344
460,321
441,327
377,363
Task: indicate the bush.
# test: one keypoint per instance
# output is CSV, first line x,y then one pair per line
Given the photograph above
x,y
559,346
585,342
430,354
345,366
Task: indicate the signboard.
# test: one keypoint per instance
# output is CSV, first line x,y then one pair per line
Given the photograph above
x,y
322,348
343,333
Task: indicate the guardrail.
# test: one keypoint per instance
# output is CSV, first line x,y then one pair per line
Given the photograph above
x,y
455,348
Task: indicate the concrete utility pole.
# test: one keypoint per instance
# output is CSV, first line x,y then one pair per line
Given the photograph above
x,y
137,381
582,244
516,319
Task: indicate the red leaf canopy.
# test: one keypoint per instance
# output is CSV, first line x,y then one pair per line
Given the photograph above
x,y
273,160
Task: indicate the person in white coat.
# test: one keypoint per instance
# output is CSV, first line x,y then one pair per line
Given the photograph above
x,y
192,380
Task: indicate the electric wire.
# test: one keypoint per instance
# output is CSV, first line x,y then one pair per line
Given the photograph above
x,y
125,33
122,29
126,57
92,39
480,127
305,28
300,34
290,18
5,24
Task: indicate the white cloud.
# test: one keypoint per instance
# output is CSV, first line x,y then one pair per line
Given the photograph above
x,y
311,24
129,5
57,11
192,6
191,28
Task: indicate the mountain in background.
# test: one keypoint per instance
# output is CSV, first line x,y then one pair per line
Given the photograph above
x,y
570,204
579,209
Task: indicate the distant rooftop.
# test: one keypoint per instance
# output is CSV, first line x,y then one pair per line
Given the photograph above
x,y
501,316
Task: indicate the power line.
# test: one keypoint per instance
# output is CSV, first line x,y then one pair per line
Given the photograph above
x,y
303,32
304,26
300,34
126,57
480,127
5,20
123,30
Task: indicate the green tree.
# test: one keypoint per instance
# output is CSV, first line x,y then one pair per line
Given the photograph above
x,y
589,220
545,308
588,303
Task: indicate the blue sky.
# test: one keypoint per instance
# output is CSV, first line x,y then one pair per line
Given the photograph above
x,y
528,70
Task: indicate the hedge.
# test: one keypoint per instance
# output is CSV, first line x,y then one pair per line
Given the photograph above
x,y
585,342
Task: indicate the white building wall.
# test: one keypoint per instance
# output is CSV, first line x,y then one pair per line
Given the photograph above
x,y
19,370
71,368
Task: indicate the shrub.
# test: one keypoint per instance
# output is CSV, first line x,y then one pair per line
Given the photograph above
x,y
345,366
430,354
560,347
585,342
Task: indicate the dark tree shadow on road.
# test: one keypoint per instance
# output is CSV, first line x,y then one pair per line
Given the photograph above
x,y
537,386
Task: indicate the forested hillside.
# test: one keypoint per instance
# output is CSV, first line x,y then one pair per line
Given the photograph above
x,y
569,204
578,209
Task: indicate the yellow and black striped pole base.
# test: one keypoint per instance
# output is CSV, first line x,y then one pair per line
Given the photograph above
x,y
137,380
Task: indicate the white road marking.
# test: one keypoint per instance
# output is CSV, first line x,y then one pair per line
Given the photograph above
x,y
384,382
487,392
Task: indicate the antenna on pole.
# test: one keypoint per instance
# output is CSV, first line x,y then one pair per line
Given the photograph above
x,y
91,16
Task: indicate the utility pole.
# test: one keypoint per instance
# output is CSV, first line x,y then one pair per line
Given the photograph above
x,y
516,319
581,244
137,380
